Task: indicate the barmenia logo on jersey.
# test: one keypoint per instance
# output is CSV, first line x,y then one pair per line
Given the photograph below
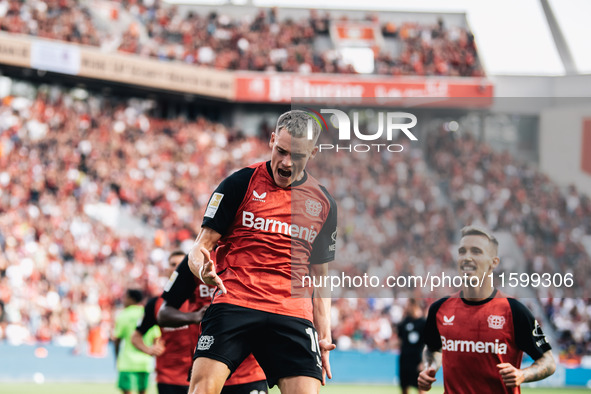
x,y
460,345
276,226
205,342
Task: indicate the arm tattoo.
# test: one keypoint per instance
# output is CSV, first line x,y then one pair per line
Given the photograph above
x,y
541,368
431,358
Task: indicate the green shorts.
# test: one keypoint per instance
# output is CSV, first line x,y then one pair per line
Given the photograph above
x,y
133,381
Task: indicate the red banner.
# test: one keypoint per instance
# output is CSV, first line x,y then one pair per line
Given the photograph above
x,y
277,88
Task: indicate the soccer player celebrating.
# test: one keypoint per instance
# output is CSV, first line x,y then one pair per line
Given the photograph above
x,y
479,335
274,224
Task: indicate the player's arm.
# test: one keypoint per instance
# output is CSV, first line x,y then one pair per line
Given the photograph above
x,y
432,353
321,309
200,262
178,289
323,251
169,316
540,369
219,215
148,321
116,337
116,346
531,339
137,340
432,358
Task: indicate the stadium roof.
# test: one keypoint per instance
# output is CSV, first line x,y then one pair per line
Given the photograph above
x,y
514,37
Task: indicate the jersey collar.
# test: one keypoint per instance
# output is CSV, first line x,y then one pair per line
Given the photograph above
x,y
482,302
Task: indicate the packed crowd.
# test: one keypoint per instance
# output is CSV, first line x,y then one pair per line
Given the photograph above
x,y
64,20
63,272
261,42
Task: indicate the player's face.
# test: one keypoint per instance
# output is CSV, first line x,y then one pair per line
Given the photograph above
x,y
174,262
476,256
289,157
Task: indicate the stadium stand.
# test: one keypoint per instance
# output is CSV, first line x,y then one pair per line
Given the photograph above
x,y
264,40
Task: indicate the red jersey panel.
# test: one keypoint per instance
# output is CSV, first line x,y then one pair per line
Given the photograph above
x,y
173,366
185,290
270,235
476,336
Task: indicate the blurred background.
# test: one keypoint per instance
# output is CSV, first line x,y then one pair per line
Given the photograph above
x,y
119,118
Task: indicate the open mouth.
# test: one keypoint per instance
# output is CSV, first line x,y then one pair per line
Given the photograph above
x,y
284,173
468,268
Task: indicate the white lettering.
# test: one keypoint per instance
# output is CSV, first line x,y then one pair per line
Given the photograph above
x,y
259,224
204,291
247,219
460,345
277,226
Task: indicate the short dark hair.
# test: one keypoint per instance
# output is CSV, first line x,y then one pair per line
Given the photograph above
x,y
477,230
296,123
175,253
136,295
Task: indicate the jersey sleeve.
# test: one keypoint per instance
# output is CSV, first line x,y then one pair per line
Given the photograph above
x,y
149,319
529,336
431,332
324,247
180,286
225,200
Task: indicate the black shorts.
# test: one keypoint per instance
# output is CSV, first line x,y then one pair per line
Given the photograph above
x,y
165,388
259,387
283,345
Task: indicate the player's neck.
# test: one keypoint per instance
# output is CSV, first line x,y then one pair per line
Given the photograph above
x,y
477,293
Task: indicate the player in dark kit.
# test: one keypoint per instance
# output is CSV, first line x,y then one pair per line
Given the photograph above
x,y
274,224
479,335
410,332
249,377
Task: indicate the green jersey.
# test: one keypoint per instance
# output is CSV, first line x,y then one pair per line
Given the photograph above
x,y
130,359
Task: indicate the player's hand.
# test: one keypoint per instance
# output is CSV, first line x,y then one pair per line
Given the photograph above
x,y
513,377
158,348
198,315
205,270
325,348
426,378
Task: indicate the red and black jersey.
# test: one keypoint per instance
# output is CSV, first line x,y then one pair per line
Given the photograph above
x,y
270,235
182,287
172,367
476,336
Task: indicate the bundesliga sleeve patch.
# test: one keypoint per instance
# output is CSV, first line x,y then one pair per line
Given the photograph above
x,y
171,281
213,205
